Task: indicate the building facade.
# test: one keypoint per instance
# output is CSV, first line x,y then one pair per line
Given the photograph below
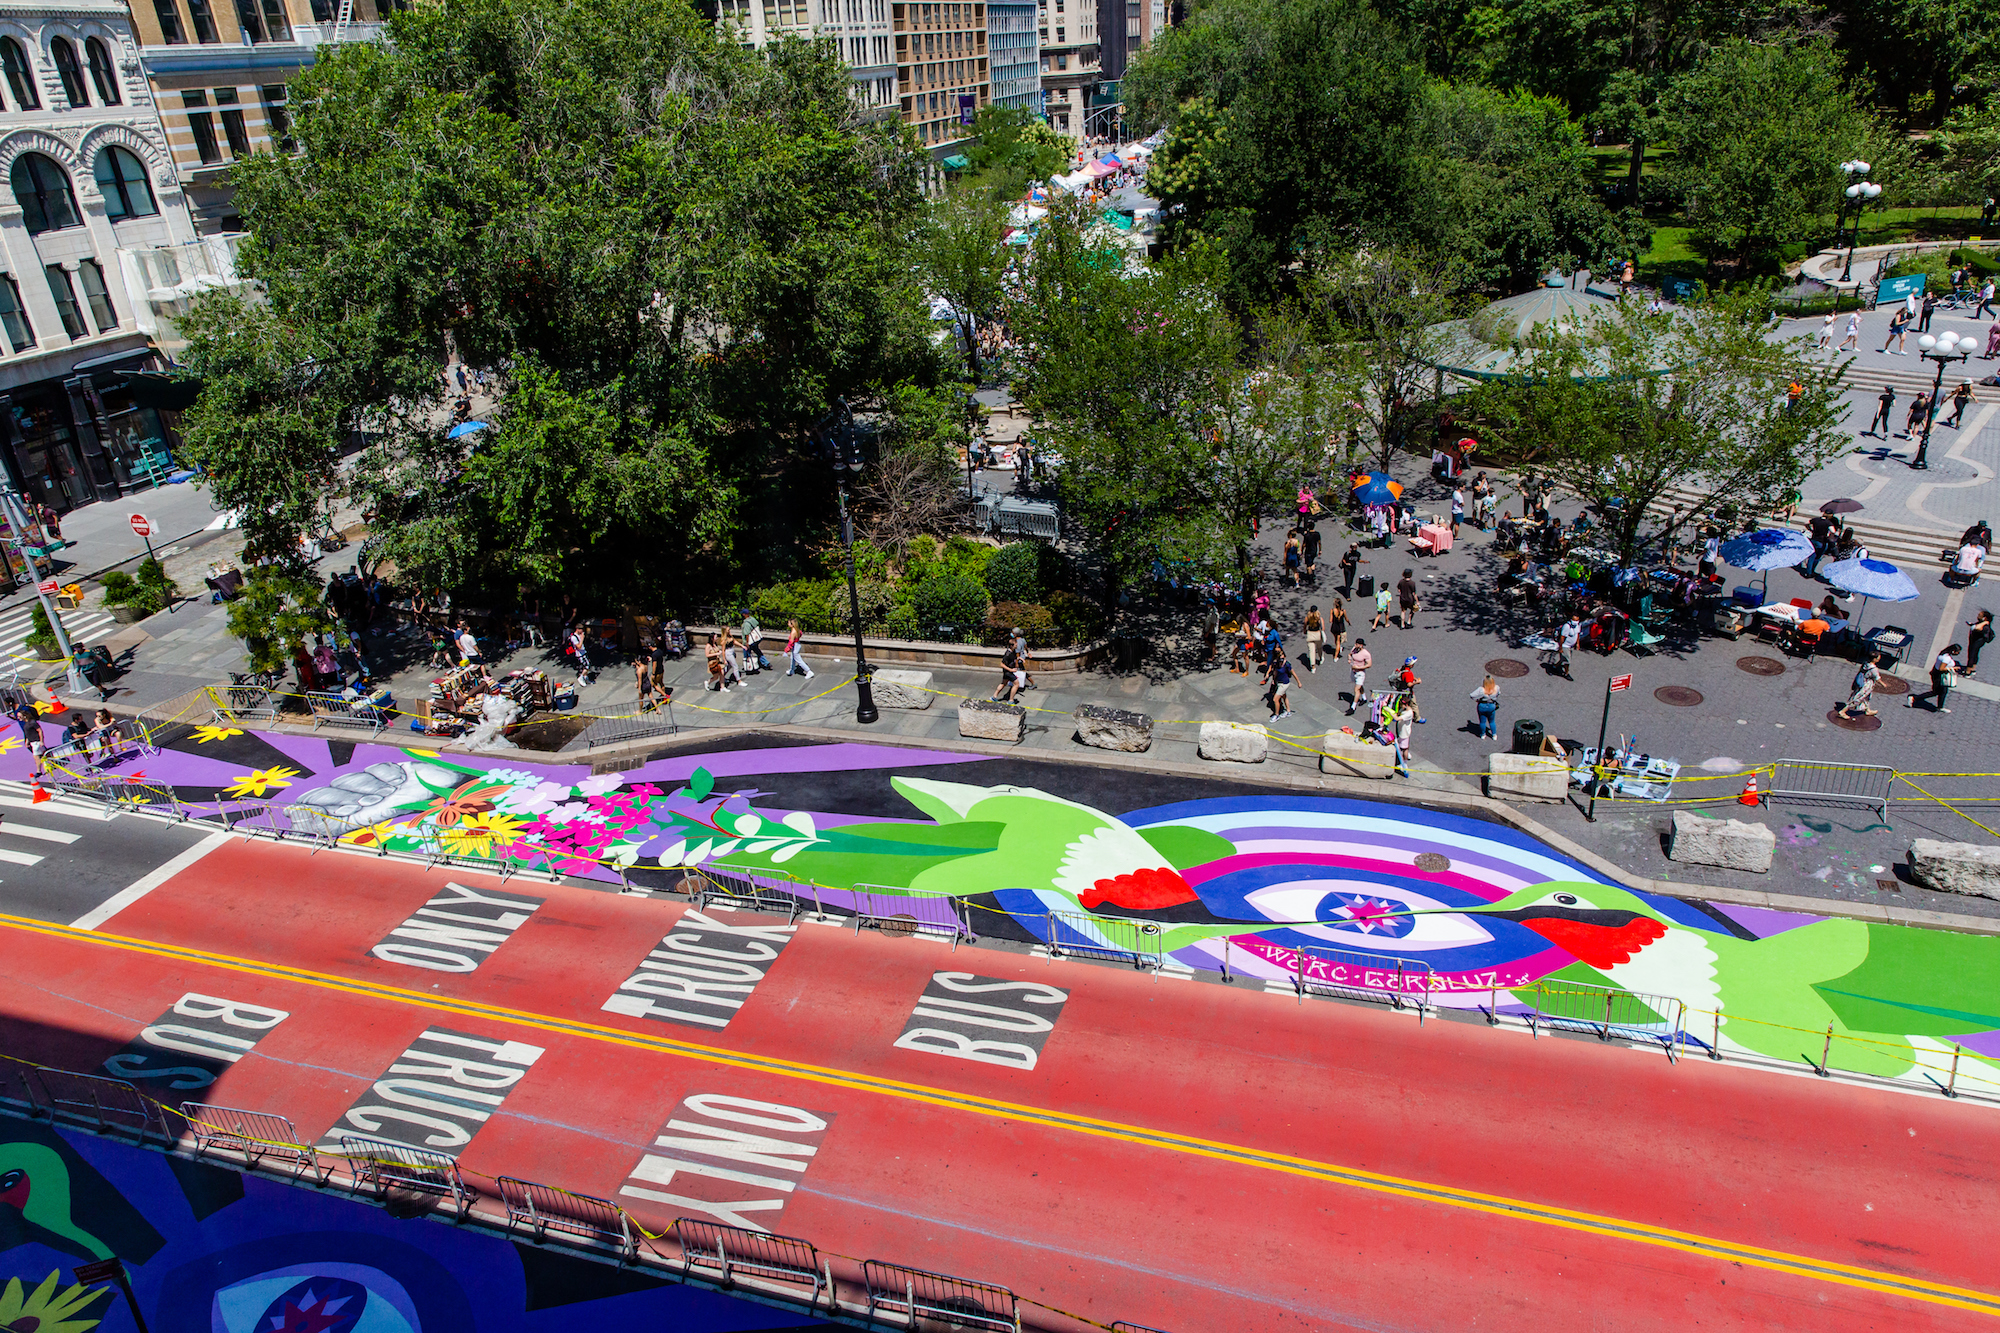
x,y
861,28
91,178
941,70
1070,74
1013,52
220,74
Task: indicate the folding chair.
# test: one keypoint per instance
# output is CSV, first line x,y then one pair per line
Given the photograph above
x,y
1642,639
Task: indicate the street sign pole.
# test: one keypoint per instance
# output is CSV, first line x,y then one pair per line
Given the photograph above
x,y
17,516
144,527
1612,685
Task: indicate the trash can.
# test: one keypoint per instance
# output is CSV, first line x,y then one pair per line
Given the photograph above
x,y
1365,586
1527,736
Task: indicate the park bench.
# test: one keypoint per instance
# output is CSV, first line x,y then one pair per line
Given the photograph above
x,y
333,710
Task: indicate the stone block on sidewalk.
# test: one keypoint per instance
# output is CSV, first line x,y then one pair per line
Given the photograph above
x,y
903,689
1108,728
1530,777
1237,742
1355,757
1956,867
990,720
1729,843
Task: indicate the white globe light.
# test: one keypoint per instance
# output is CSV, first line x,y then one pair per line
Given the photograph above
x,y
1860,166
1949,341
1927,342
1873,189
1854,192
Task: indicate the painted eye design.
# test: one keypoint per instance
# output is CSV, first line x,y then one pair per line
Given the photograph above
x,y
1566,899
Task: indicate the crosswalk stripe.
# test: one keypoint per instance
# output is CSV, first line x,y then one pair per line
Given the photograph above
x,y
38,834
18,858
57,806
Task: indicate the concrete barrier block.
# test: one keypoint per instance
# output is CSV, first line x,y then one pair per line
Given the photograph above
x,y
1237,742
1729,843
1107,728
1956,867
903,689
1354,757
1531,777
990,720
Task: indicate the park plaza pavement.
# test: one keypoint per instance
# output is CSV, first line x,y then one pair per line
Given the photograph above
x,y
1180,1154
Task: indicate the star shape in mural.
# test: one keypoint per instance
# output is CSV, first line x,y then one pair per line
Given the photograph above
x,y
1371,914
311,1314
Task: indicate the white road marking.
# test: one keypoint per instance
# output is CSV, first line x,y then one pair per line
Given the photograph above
x,y
39,834
145,884
19,858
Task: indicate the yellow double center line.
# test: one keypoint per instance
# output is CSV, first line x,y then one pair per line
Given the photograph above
x,y
1867,1279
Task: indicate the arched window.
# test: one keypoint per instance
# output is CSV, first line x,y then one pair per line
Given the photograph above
x,y
42,191
69,72
102,72
121,178
20,78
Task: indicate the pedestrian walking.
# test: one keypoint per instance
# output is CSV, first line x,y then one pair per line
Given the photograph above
x,y
1315,640
1407,681
1358,663
1865,680
1980,633
1021,654
1566,642
1711,552
1381,620
1237,633
1011,677
1899,331
1336,628
1211,630
1457,510
642,667
718,675
579,646
1295,558
1404,721
1406,600
795,658
1944,675
1820,530
1281,687
1486,706
1825,339
1312,545
1885,403
1851,340
1961,397
1985,299
1351,563
753,645
1913,419
1930,304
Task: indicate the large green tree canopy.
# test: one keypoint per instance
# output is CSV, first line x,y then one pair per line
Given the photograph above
x,y
672,253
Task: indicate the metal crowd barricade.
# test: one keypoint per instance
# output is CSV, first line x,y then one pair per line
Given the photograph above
x,y
729,1250
934,1297
1352,975
1809,781
1605,1012
105,1103
256,1135
1027,518
611,730
153,797
739,886
1079,934
545,1208
336,710
243,703
1127,1326
375,1164
884,907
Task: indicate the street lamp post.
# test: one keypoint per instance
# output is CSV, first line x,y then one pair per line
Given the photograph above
x,y
846,459
1944,351
1861,191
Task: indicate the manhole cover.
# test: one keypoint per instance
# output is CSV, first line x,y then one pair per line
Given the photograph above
x,y
1892,685
1761,666
1432,862
1865,722
1506,667
1680,696
1889,885
897,925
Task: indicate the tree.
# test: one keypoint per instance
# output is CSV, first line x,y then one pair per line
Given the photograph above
x,y
961,252
1757,132
274,614
1694,399
911,488
1969,150
669,252
1380,310
1012,147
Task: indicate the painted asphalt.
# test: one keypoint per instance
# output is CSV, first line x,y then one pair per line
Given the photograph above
x,y
1187,1156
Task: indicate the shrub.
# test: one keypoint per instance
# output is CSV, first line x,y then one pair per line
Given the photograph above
x,y
949,599
1981,262
1933,264
150,592
1034,621
1014,574
42,636
903,624
1075,619
808,601
119,588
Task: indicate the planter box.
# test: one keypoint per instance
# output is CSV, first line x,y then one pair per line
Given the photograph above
x,y
127,615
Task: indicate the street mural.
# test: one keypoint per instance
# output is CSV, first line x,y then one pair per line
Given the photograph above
x,y
212,1251
1265,886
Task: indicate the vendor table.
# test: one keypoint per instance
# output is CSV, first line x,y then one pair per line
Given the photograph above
x,y
1437,535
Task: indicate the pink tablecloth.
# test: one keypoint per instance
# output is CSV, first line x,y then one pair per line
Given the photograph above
x,y
1438,537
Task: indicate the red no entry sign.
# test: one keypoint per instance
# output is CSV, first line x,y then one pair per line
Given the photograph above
x,y
1621,683
141,525
48,586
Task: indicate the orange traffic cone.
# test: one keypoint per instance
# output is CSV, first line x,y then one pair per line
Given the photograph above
x,y
40,794
1749,796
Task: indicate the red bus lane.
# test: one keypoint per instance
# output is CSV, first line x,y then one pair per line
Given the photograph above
x,y
1159,1150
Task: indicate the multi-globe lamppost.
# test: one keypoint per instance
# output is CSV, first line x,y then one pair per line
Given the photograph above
x,y
1860,192
837,440
1943,350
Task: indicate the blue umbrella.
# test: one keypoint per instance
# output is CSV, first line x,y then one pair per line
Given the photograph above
x,y
1871,578
464,428
1767,549
1379,489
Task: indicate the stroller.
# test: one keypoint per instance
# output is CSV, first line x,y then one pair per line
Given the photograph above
x,y
675,638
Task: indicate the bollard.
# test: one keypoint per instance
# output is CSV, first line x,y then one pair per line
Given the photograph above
x,y
1715,1047
1951,1083
1826,1053
1493,1008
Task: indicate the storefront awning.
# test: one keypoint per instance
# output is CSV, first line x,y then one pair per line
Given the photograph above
x,y
166,393
956,162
